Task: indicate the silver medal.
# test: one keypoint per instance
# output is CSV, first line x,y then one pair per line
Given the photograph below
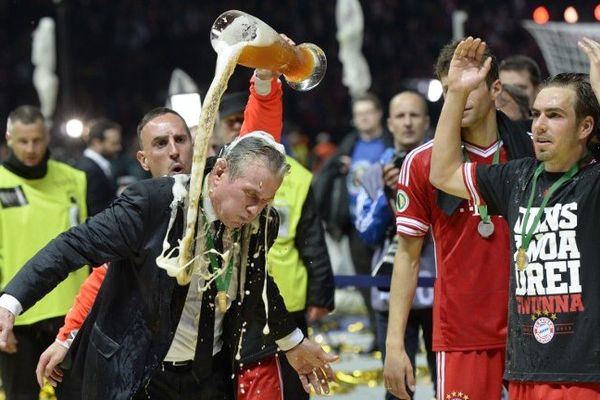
x,y
485,229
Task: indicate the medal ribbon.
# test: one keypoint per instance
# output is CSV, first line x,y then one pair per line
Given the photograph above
x,y
221,281
483,210
526,235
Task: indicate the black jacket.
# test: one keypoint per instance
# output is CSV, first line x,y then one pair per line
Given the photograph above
x,y
101,190
133,321
310,242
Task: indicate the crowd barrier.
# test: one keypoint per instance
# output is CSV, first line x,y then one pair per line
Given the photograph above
x,y
378,281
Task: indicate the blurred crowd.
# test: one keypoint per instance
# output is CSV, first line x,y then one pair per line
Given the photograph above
x,y
119,55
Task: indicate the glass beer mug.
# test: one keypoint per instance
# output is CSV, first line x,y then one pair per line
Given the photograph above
x,y
303,66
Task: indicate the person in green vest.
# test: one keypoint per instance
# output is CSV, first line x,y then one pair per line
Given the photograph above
x,y
39,199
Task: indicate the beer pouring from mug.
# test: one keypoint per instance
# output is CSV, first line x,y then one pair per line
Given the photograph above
x,y
303,66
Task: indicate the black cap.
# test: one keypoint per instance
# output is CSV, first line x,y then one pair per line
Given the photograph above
x,y
233,103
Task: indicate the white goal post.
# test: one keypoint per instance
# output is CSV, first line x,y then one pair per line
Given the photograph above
x,y
558,43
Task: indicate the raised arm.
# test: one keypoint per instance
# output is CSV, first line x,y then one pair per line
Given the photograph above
x,y
82,305
397,371
264,111
466,72
592,49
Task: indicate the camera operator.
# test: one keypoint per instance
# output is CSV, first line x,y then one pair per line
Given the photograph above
x,y
376,203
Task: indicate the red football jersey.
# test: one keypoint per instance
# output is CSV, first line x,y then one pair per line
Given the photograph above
x,y
471,289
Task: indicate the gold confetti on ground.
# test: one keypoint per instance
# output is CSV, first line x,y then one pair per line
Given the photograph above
x,y
46,393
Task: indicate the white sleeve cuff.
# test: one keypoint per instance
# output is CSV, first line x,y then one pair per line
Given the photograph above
x,y
11,304
290,341
66,344
262,86
69,340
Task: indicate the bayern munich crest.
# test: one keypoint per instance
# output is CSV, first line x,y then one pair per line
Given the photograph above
x,y
543,330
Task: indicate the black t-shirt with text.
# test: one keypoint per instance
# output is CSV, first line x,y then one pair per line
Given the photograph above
x,y
554,304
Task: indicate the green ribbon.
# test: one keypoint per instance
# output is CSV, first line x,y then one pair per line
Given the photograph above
x,y
222,280
526,235
483,210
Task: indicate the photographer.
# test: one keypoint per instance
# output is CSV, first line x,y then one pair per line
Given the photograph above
x,y
375,209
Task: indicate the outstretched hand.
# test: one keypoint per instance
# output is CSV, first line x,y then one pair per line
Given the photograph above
x,y
7,339
311,363
48,365
467,68
592,49
11,345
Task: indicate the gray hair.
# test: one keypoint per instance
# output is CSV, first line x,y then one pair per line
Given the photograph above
x,y
251,149
26,114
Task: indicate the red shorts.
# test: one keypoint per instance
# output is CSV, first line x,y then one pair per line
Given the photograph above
x,y
553,391
470,375
261,380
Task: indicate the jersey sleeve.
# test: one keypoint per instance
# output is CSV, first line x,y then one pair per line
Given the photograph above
x,y
82,305
490,185
413,200
264,112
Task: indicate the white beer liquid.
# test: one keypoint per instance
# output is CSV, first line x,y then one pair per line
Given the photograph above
x,y
245,28
227,57
226,62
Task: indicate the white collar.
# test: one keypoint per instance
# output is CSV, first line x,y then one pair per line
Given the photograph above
x,y
102,162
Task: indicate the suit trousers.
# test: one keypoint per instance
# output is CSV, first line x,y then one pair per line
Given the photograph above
x,y
175,383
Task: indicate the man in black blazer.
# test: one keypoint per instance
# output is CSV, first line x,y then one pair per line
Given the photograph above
x,y
137,314
104,144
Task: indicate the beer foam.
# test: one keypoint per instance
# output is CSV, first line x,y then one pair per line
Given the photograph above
x,y
244,29
265,136
226,62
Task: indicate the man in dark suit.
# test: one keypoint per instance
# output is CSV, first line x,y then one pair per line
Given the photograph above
x,y
137,321
104,144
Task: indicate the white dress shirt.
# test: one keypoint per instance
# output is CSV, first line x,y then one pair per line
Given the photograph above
x,y
99,159
183,346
